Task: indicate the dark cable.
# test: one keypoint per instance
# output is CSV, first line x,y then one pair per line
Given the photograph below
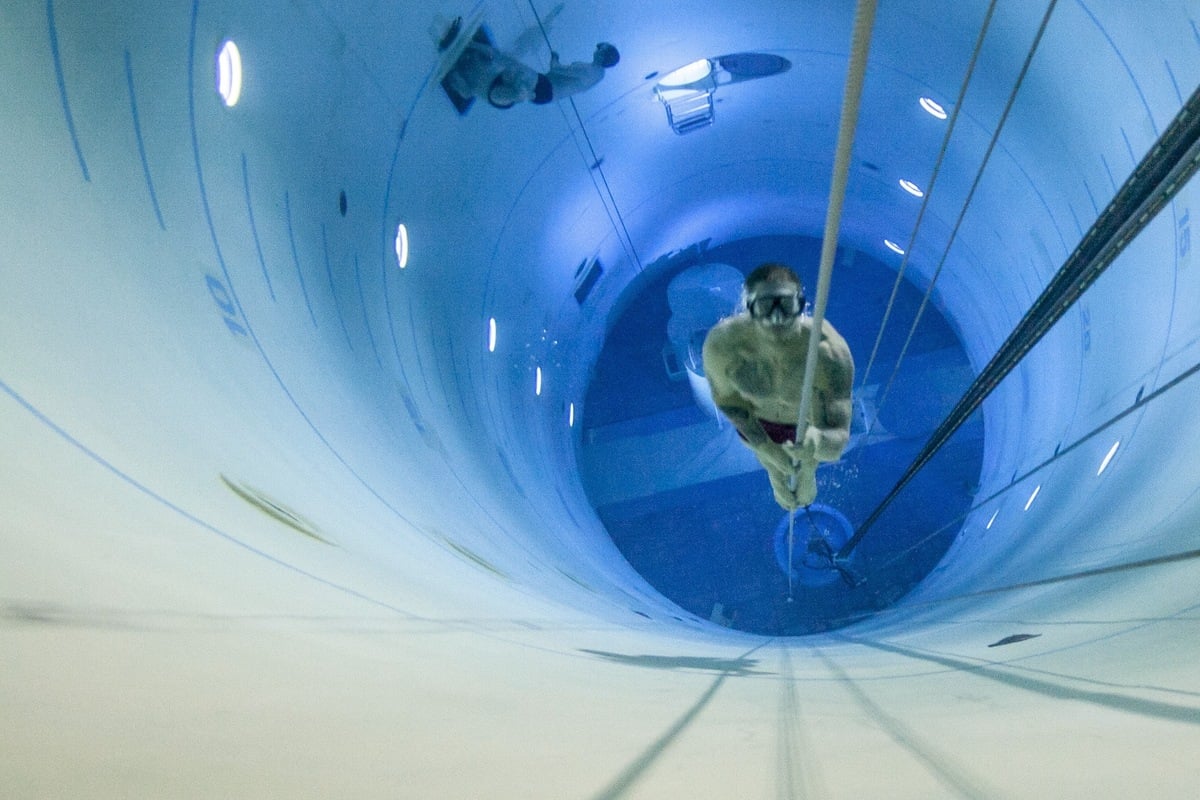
x,y
595,163
1160,175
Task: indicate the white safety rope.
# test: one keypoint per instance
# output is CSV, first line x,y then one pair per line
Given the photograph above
x,y
860,42
911,243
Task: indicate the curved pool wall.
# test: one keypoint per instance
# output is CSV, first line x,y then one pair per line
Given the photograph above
x,y
691,509
277,522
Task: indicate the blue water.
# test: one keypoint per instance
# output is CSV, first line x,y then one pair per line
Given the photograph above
x,y
711,546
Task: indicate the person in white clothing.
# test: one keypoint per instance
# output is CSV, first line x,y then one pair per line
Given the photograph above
x,y
483,71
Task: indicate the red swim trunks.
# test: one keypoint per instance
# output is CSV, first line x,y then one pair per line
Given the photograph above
x,y
777,432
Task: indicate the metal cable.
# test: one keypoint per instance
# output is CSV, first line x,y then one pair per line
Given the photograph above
x,y
1012,97
1160,175
1060,452
937,166
594,166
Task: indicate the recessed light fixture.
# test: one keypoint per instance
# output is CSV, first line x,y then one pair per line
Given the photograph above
x,y
402,245
911,188
571,416
689,73
933,107
492,335
537,386
995,514
1033,497
895,248
1112,452
229,73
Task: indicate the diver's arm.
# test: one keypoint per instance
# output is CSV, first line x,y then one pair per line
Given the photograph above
x,y
833,434
780,457
725,395
833,410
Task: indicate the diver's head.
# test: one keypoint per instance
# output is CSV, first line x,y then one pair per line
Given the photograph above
x,y
606,55
774,296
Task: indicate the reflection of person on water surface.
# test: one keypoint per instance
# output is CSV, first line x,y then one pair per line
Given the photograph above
x,y
755,361
483,71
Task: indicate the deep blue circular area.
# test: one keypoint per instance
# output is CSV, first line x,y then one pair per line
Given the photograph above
x,y
808,566
694,514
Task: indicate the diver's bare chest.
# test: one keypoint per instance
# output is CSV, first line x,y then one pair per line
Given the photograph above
x,y
765,375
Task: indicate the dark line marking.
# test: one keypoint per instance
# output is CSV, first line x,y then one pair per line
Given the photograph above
x,y
416,348
141,144
1195,30
262,262
628,776
1033,186
1139,402
250,330
212,232
475,558
1013,639
276,510
62,90
1074,216
1128,70
329,274
1089,573
390,236
366,317
287,207
787,717
391,324
148,492
1154,709
1171,558
1171,75
462,400
1092,198
950,773
1108,169
490,291
254,337
1128,146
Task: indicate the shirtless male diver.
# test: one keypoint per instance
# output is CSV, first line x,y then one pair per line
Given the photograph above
x,y
754,362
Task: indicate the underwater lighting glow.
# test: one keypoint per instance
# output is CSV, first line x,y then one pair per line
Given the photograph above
x,y
911,188
537,387
686,74
492,335
571,416
995,514
1033,496
229,73
933,107
895,248
1112,452
402,246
